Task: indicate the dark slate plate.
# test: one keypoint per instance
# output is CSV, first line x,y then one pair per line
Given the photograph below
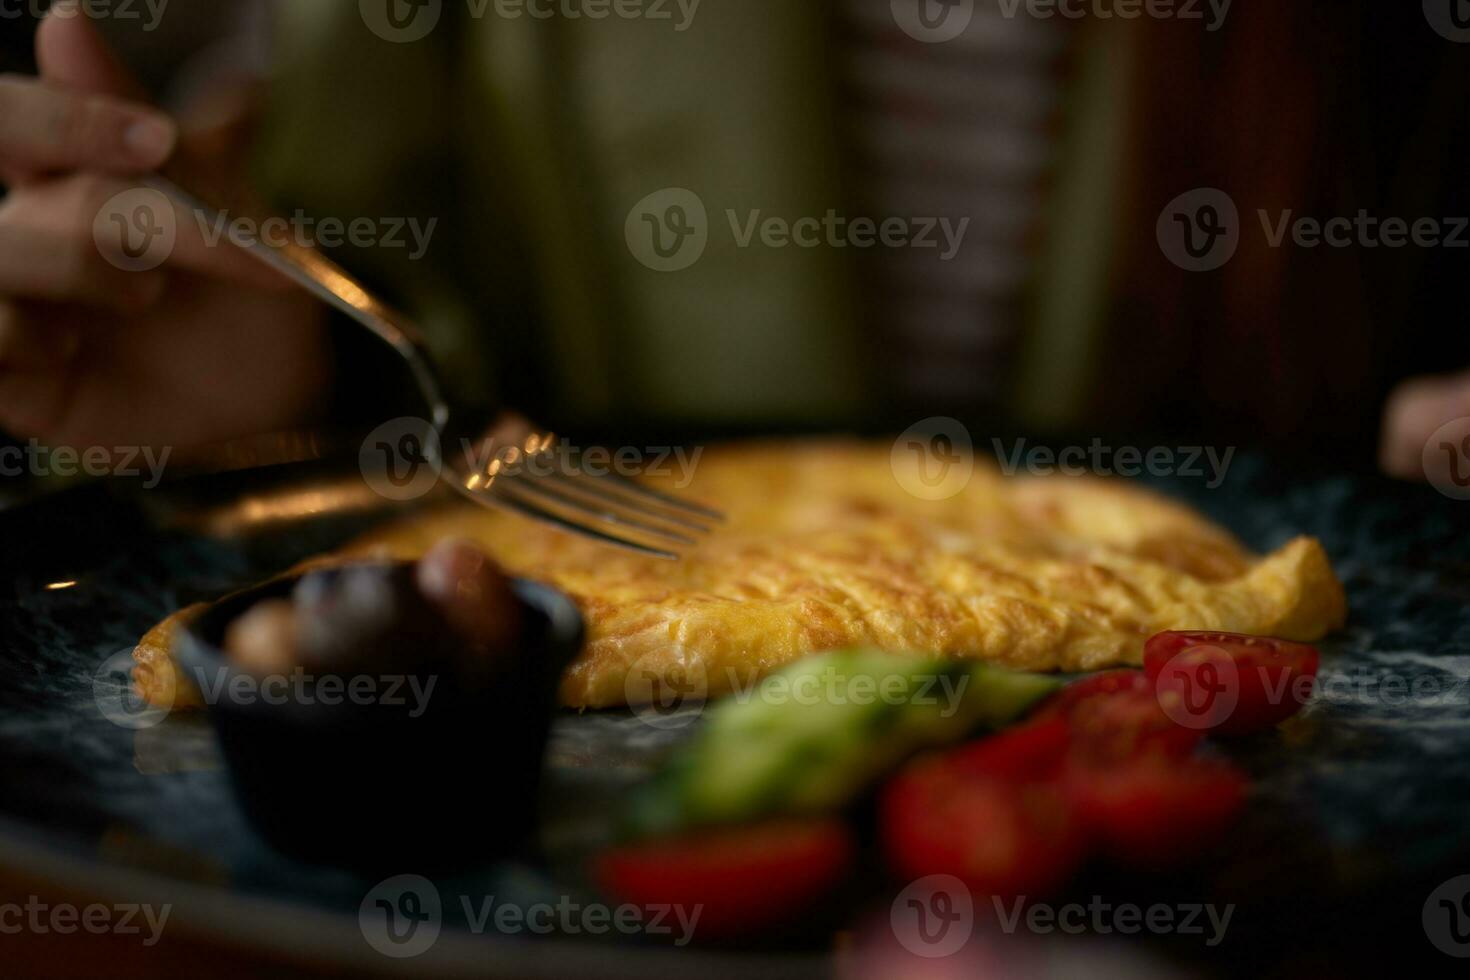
x,y
1360,810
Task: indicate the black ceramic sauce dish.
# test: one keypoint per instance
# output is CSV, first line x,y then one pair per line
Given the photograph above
x,y
399,773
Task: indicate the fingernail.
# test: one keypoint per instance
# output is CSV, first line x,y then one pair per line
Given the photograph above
x,y
150,139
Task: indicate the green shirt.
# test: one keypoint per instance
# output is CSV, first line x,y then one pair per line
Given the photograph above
x,y
533,141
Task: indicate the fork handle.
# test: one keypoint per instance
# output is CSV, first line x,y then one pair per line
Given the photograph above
x,y
333,285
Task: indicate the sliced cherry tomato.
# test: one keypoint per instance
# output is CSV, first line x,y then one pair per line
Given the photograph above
x,y
744,879
1027,753
1227,682
1155,812
1106,682
1013,814
1117,715
1000,838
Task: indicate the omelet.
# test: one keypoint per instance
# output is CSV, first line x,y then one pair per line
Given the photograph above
x,y
825,548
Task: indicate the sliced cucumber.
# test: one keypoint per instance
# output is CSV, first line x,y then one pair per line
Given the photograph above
x,y
815,735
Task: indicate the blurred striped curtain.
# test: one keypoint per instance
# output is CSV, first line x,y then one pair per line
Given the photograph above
x,y
959,129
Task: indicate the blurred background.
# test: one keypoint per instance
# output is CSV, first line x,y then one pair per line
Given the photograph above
x,y
1057,143
1088,219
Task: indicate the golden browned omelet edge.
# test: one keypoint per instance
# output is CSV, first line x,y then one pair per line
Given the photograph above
x,y
824,548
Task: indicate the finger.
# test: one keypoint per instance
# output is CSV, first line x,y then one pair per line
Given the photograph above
x,y
46,130
50,249
1394,454
203,245
72,54
121,222
31,343
107,244
1413,413
50,265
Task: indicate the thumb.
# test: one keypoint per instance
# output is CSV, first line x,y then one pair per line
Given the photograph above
x,y
72,54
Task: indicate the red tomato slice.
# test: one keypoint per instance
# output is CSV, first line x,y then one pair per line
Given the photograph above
x,y
1155,813
744,879
1117,715
1032,752
1000,838
1227,682
1077,692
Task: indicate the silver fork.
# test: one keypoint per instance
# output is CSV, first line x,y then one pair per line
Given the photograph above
x,y
603,506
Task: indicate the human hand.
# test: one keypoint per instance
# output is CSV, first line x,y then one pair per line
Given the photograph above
x,y
206,346
1415,411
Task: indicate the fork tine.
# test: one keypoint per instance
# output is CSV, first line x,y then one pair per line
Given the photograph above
x,y
537,513
634,488
609,495
536,487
